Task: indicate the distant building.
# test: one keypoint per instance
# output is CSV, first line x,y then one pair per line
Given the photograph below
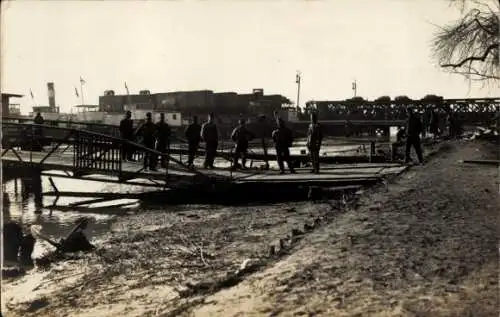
x,y
8,108
227,106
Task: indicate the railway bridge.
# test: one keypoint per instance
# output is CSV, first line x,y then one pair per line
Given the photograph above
x,y
368,116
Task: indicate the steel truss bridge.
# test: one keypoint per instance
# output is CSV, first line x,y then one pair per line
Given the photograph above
x,y
469,111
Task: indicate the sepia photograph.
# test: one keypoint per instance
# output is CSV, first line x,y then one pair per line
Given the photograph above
x,y
250,158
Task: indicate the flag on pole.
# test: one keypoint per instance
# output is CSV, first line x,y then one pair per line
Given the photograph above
x,y
82,81
76,92
354,85
126,88
297,78
31,93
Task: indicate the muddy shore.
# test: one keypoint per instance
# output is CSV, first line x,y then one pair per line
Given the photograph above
x,y
422,244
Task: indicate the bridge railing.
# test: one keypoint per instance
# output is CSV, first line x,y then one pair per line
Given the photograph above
x,y
86,151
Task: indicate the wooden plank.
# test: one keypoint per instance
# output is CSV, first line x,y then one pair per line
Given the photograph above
x,y
482,162
95,195
323,181
90,201
95,179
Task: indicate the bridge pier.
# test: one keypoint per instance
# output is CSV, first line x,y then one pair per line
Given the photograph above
x,y
386,131
30,179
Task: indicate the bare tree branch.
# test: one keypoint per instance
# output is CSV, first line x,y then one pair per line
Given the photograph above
x,y
473,58
469,46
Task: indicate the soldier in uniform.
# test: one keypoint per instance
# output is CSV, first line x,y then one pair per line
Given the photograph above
x,y
38,133
127,133
39,119
434,124
283,139
314,139
413,130
148,131
210,135
263,129
240,137
193,135
164,134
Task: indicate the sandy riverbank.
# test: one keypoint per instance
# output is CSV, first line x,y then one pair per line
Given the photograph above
x,y
424,244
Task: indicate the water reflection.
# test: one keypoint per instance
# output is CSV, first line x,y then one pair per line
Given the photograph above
x,y
24,203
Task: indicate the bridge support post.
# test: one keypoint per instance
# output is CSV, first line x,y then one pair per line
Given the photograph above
x,y
54,187
387,131
32,183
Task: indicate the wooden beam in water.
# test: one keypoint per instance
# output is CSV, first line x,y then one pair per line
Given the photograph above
x,y
91,201
51,181
101,180
114,209
95,195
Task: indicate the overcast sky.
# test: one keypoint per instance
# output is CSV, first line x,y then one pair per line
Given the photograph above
x,y
226,46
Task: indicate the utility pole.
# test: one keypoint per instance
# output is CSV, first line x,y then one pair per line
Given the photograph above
x,y
297,81
82,82
354,87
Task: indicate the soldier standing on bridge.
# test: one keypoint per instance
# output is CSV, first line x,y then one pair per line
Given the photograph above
x,y
148,131
283,140
39,119
314,139
262,131
193,135
241,136
127,133
38,133
413,130
210,135
164,134
434,124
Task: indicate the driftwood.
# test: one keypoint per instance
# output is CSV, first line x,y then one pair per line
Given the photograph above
x,y
75,241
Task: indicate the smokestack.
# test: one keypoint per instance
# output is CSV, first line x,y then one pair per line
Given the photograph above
x,y
52,95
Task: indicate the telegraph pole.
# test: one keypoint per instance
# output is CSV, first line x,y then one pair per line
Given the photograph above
x,y
297,81
82,82
355,87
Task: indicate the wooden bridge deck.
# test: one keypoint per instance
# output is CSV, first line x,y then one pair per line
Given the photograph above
x,y
330,174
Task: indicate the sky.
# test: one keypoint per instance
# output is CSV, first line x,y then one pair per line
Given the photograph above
x,y
226,46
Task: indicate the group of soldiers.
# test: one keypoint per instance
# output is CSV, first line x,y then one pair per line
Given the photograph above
x,y
415,127
152,135
158,136
282,137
